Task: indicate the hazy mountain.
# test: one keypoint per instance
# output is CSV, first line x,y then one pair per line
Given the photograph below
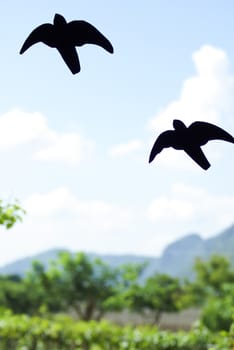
x,y
177,259
20,266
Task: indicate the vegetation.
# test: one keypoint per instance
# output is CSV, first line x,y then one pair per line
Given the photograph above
x,y
10,213
39,303
211,275
61,332
214,281
160,293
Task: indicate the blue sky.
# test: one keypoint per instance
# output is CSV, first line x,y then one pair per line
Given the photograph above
x,y
74,148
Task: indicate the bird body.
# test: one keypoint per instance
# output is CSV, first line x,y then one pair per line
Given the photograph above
x,y
190,140
65,37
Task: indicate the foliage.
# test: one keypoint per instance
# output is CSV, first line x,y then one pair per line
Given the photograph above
x,y
194,294
89,287
77,283
160,293
40,291
61,332
218,312
10,213
212,274
12,295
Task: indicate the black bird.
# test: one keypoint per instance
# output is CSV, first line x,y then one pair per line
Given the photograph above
x,y
65,37
190,140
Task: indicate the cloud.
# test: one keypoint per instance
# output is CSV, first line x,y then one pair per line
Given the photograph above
x,y
206,96
60,218
125,148
18,128
91,215
164,208
188,208
67,147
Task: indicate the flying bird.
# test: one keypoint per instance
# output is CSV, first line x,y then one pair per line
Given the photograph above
x,y
190,139
65,36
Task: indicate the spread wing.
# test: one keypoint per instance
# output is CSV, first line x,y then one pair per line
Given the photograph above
x,y
81,32
44,33
198,156
203,132
70,57
166,139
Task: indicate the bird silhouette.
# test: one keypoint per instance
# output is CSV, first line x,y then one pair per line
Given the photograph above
x,y
190,140
65,37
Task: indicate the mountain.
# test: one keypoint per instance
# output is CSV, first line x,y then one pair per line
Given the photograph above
x,y
178,257
224,243
19,267
176,260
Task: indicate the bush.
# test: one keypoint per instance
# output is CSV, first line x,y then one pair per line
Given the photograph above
x,y
218,314
21,332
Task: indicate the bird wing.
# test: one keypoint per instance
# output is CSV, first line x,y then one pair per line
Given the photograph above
x,y
43,33
166,139
198,156
82,32
71,58
203,132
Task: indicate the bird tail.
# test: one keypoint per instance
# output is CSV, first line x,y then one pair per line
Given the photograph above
x,y
71,58
198,156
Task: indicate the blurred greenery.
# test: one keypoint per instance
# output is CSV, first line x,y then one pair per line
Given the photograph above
x,y
35,308
160,293
10,213
62,332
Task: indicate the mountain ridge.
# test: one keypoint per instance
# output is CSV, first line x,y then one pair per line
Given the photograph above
x,y
177,258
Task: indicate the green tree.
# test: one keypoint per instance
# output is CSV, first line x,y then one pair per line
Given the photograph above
x,y
160,293
13,294
217,313
213,290
212,274
10,213
87,286
194,294
42,291
27,295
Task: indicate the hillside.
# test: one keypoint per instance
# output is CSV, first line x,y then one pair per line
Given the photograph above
x,y
177,259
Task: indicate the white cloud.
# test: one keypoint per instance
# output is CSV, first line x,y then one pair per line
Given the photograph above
x,y
125,148
189,208
91,215
164,208
60,218
69,147
18,127
206,96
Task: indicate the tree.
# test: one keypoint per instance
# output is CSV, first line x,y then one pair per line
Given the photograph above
x,y
194,294
81,284
10,213
13,294
41,291
212,274
218,312
160,293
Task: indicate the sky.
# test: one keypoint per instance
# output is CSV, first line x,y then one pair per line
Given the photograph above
x,y
74,149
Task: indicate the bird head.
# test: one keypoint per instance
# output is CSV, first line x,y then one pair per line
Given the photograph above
x,y
59,19
178,124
